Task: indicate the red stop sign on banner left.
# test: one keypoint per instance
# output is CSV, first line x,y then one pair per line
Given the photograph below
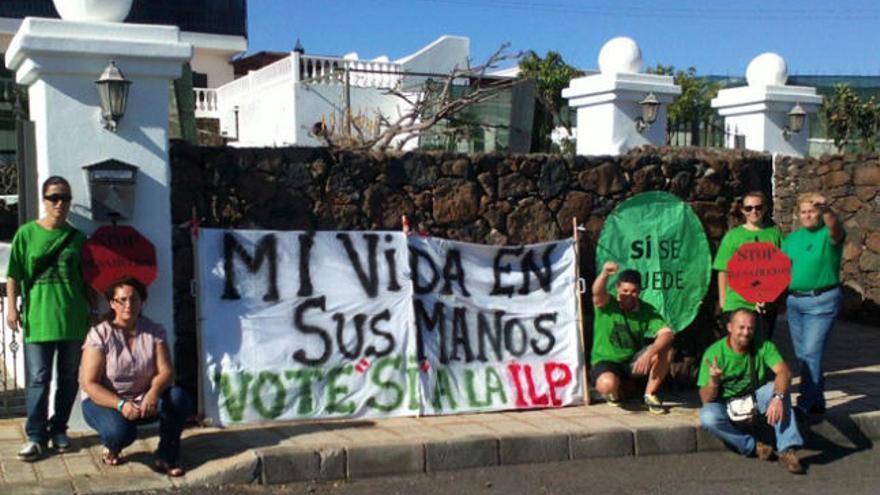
x,y
759,272
114,252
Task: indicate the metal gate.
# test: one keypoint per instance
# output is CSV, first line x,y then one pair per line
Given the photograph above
x,y
17,178
710,132
11,367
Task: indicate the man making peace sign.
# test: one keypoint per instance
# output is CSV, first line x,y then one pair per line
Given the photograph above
x,y
735,390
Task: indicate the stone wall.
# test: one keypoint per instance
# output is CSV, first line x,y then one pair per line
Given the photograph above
x,y
484,198
851,184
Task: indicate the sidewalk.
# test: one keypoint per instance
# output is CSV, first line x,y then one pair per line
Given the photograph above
x,y
331,450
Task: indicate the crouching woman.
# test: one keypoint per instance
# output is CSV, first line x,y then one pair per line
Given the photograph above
x,y
126,374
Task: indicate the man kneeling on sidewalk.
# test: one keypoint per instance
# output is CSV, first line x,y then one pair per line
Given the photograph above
x,y
619,330
735,390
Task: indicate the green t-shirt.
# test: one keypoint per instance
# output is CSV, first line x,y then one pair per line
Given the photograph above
x,y
56,304
618,336
815,260
736,368
732,240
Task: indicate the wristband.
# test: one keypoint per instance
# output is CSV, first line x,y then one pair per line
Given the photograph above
x,y
779,396
120,404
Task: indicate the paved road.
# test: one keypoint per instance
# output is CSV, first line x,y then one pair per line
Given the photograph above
x,y
835,471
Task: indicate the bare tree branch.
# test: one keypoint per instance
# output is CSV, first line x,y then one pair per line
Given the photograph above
x,y
434,103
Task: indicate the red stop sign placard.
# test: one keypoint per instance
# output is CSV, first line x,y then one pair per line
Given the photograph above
x,y
114,252
759,272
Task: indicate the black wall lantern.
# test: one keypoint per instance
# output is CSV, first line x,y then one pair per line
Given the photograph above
x,y
113,91
796,117
650,106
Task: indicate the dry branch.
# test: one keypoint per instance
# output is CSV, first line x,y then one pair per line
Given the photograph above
x,y
432,104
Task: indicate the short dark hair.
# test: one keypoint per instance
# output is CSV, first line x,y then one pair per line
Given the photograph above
x,y
630,276
742,310
755,194
130,281
54,180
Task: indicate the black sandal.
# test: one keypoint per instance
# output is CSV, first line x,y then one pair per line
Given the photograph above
x,y
167,468
110,458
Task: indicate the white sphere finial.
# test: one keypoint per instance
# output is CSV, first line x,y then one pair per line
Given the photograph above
x,y
621,54
767,69
93,10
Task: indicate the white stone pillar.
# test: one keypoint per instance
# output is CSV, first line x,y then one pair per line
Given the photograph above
x,y
59,61
759,111
607,103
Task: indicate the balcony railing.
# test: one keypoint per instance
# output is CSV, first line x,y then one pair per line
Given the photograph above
x,y
362,73
297,68
206,103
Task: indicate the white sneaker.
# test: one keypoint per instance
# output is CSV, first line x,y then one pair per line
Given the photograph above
x,y
61,443
30,452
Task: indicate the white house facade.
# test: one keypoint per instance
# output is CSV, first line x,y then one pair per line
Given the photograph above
x,y
279,104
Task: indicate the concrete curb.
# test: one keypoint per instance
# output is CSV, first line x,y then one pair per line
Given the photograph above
x,y
287,463
868,423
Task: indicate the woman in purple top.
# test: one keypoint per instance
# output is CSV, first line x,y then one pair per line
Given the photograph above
x,y
126,376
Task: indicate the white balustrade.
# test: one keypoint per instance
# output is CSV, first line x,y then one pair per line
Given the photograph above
x,y
362,73
206,103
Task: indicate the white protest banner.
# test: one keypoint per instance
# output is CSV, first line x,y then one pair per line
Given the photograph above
x,y
319,325
497,326
305,325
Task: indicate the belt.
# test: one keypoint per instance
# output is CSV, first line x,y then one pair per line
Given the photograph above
x,y
812,293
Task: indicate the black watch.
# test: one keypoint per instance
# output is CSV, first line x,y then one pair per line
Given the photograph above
x,y
779,396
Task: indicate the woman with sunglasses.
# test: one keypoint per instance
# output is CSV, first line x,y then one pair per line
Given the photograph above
x,y
755,229
44,268
126,377
814,294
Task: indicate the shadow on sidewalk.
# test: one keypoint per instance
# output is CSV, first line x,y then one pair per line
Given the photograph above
x,y
834,436
198,449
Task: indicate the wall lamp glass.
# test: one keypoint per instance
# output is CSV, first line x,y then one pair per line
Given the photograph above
x,y
113,92
796,117
650,107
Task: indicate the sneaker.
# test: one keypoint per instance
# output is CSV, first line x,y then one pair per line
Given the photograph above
x,y
790,462
655,405
763,451
612,400
61,443
30,452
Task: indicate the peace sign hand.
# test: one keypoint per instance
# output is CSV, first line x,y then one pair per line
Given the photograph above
x,y
715,372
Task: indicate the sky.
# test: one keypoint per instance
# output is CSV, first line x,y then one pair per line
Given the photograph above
x,y
717,38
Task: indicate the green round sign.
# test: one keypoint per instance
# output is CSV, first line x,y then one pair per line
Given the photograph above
x,y
660,236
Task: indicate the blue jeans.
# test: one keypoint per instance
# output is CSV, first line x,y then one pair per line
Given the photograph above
x,y
809,321
116,432
713,417
38,359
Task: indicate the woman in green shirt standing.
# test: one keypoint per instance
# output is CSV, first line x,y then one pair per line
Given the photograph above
x,y
755,229
814,294
44,268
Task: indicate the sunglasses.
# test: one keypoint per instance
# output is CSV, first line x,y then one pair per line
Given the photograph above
x,y
749,208
125,301
55,198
